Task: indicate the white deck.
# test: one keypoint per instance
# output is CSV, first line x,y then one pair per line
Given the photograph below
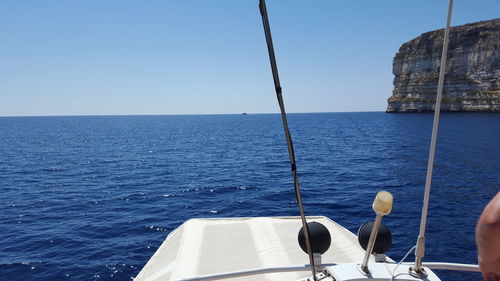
x,y
209,246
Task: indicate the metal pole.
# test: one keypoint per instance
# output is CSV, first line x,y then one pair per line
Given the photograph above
x,y
420,251
371,243
279,96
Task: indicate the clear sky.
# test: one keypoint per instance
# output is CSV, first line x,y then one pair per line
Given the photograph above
x,y
96,57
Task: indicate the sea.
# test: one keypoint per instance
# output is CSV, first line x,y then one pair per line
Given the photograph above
x,y
93,197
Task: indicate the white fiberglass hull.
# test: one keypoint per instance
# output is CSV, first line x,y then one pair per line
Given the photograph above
x,y
210,246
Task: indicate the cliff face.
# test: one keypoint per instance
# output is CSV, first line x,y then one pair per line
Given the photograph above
x,y
472,81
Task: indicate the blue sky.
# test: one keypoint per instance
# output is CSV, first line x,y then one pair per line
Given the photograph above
x,y
99,57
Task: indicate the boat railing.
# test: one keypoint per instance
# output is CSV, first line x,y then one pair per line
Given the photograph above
x,y
307,267
450,266
251,272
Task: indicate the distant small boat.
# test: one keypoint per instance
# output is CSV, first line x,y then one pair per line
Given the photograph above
x,y
244,113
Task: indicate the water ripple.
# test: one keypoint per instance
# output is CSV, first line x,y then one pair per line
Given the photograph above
x,y
91,198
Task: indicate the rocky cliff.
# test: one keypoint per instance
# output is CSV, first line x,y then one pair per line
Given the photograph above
x,y
472,81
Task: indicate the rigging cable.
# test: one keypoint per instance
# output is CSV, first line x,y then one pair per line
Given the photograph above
x,y
277,86
420,252
393,275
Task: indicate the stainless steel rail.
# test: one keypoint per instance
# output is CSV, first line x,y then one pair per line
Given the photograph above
x,y
307,267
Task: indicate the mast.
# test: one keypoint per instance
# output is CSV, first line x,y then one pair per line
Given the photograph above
x,y
291,153
417,269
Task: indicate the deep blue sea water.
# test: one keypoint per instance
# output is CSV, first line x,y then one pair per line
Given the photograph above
x,y
91,198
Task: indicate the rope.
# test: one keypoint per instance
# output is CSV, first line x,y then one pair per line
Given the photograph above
x,y
400,262
291,154
420,252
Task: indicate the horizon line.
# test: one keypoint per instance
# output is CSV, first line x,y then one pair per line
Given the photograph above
x,y
184,114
